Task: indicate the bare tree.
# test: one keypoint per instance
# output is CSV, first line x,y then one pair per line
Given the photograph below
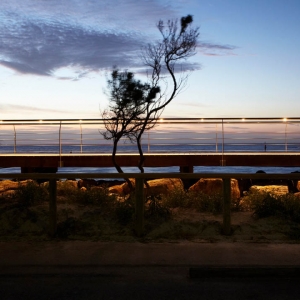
x,y
136,107
162,57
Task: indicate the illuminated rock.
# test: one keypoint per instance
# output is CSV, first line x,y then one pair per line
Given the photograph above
x,y
215,186
155,187
271,189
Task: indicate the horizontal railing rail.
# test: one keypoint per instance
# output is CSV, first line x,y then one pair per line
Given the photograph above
x,y
181,135
139,189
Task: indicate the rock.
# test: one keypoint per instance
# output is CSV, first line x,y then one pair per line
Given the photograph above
x,y
298,185
87,183
6,185
163,186
276,190
67,184
122,189
97,188
156,186
125,186
215,186
62,184
117,189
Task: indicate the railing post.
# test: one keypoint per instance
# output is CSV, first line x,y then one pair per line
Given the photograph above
x,y
15,140
59,136
227,206
52,207
139,206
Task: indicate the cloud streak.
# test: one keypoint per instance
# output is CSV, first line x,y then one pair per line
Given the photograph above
x,y
40,37
213,49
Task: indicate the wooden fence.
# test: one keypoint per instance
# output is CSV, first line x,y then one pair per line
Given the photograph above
x,y
139,189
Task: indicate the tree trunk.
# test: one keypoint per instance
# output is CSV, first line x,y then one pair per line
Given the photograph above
x,y
118,168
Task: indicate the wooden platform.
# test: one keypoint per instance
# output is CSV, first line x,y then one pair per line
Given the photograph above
x,y
152,160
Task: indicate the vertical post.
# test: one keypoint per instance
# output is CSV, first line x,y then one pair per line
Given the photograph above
x,y
216,137
139,206
52,207
15,140
59,136
80,138
222,163
226,206
285,135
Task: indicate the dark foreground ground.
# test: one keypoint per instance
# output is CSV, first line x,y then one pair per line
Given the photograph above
x,y
110,270
142,283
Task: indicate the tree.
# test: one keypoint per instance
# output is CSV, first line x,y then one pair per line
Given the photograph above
x,y
136,107
162,57
128,103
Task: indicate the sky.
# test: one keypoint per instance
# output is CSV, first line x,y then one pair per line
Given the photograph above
x,y
55,56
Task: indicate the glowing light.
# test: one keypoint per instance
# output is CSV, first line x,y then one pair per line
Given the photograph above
x,y
243,119
284,119
161,120
41,121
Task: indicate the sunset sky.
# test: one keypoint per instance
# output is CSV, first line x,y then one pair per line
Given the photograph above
x,y
55,54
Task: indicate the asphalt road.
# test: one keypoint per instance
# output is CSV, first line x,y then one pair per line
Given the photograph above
x,y
144,282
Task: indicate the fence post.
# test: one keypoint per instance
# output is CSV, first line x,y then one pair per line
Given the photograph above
x,y
227,206
52,207
139,206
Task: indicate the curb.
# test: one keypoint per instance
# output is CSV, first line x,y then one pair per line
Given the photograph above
x,y
204,272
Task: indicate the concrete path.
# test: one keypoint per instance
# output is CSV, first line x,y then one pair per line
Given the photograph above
x,y
86,253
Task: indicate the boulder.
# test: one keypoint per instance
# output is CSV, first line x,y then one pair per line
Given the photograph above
x,y
117,189
97,188
276,190
155,187
163,186
67,184
298,185
215,186
7,185
87,183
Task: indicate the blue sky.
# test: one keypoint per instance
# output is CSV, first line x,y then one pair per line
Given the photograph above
x,y
54,55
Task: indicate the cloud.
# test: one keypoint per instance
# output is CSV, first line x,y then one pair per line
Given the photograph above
x,y
5,107
194,104
41,37
213,49
41,48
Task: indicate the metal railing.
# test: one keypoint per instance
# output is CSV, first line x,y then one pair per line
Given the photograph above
x,y
139,190
182,135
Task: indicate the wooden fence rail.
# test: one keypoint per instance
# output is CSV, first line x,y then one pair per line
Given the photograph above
x,y
139,189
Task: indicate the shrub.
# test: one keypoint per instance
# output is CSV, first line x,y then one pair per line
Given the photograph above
x,y
156,208
284,206
124,210
177,198
212,203
201,202
99,197
31,194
